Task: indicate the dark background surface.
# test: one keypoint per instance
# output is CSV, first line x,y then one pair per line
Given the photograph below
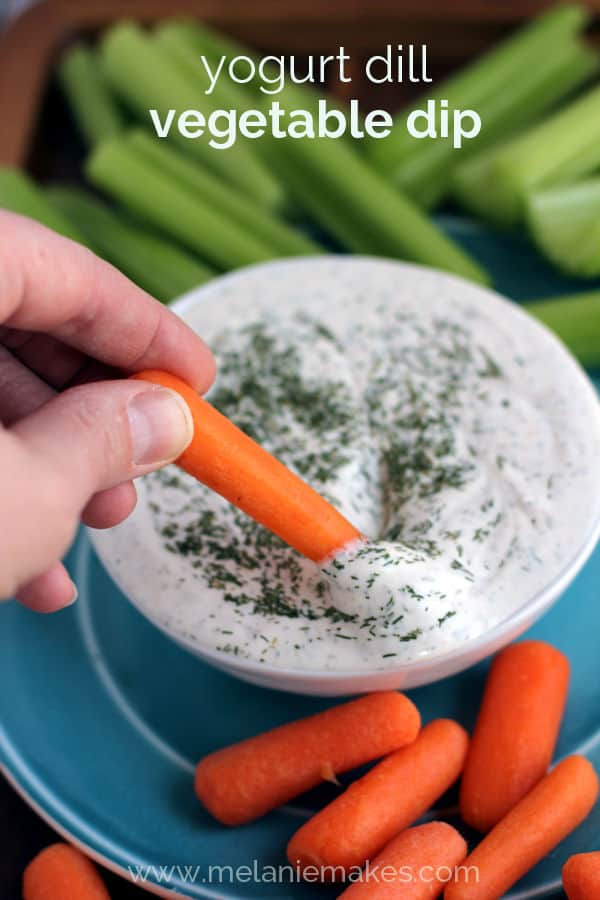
x,y
24,835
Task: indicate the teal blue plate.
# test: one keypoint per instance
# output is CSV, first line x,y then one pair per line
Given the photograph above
x,y
102,717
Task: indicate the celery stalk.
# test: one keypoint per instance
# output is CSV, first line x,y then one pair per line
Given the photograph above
x,y
91,102
315,204
284,240
359,208
565,224
19,194
202,40
476,190
177,40
163,202
206,41
174,37
427,176
562,148
145,76
473,182
214,43
161,268
576,320
496,72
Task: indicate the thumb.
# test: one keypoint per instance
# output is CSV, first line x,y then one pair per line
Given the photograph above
x,y
101,434
83,441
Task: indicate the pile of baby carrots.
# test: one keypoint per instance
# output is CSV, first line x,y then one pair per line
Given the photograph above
x,y
367,834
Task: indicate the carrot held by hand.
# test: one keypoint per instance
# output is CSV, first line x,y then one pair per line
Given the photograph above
x,y
547,814
516,731
60,872
392,795
581,876
414,866
245,781
227,461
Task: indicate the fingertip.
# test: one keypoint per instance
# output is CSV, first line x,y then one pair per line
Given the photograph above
x,y
49,592
110,507
198,368
208,371
184,354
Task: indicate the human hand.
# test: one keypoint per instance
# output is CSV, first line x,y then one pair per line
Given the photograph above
x,y
72,437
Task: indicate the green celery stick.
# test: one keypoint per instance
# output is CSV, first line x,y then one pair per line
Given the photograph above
x,y
576,320
360,209
162,201
19,194
174,36
158,266
284,240
426,177
565,224
214,43
497,71
473,182
207,41
94,109
316,205
145,76
562,148
476,190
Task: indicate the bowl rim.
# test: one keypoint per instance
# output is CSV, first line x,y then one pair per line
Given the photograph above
x,y
475,647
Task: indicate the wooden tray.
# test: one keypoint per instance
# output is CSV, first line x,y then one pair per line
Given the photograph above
x,y
453,29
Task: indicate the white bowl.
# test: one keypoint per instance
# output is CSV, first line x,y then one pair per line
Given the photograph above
x,y
327,682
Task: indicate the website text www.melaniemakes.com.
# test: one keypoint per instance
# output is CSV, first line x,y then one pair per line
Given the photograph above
x,y
255,873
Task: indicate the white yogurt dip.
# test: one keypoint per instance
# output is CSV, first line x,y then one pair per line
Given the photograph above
x,y
450,428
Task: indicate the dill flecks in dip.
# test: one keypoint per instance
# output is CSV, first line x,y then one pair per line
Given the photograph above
x,y
451,430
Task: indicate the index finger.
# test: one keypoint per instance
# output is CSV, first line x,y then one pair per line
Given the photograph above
x,y
51,284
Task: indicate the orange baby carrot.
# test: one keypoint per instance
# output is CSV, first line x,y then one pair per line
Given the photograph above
x,y
61,871
232,464
581,876
245,781
357,824
514,738
414,866
547,814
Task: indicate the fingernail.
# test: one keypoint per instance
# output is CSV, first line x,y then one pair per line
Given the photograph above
x,y
161,426
74,596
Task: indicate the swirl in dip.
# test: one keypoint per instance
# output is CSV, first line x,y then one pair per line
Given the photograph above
x,y
450,428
